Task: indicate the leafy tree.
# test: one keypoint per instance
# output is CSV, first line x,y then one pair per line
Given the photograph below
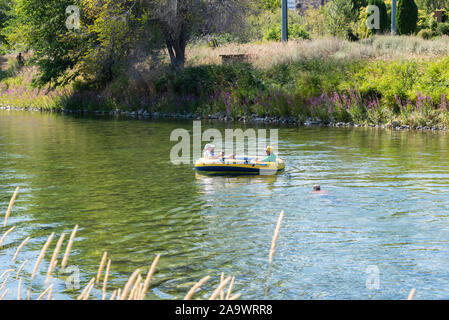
x,y
429,5
179,20
118,35
340,14
4,17
270,4
407,16
40,26
114,34
357,4
385,20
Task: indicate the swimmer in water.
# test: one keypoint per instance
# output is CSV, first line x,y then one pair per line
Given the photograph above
x,y
317,190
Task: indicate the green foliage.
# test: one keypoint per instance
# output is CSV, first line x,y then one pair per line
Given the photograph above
x,y
40,26
358,4
443,28
429,5
340,15
426,21
426,34
407,16
314,22
5,13
295,31
270,4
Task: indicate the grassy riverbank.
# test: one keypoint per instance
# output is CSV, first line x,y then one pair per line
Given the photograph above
x,y
377,81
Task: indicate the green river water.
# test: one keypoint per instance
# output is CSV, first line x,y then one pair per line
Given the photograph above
x,y
387,209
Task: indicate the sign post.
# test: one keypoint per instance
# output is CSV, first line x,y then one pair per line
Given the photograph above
x,y
393,18
284,35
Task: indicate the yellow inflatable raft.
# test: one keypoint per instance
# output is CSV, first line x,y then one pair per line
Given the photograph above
x,y
239,165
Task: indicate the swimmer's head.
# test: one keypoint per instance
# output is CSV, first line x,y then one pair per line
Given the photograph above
x,y
316,187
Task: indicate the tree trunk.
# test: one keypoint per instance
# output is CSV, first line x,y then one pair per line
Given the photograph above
x,y
176,46
177,54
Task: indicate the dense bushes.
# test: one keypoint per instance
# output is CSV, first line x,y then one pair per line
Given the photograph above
x,y
426,34
412,92
295,31
443,28
407,16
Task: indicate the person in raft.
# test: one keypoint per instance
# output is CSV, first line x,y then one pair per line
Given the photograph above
x,y
271,157
209,153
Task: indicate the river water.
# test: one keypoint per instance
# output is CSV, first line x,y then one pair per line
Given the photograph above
x,y
381,230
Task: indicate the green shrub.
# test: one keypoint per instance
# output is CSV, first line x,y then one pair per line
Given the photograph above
x,y
443,28
425,34
295,31
407,16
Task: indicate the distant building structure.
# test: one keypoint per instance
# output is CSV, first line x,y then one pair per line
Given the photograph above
x,y
440,15
291,4
302,5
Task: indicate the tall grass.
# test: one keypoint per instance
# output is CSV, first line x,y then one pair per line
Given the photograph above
x,y
135,288
267,54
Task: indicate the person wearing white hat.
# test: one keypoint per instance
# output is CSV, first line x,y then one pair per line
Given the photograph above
x,y
209,152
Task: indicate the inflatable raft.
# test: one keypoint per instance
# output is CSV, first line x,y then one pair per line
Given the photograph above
x,y
239,165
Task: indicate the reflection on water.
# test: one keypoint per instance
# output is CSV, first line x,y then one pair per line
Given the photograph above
x,y
387,207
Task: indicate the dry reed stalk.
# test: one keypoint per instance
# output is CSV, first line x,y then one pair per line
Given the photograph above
x,y
7,271
20,269
275,237
105,280
129,283
100,269
11,203
5,234
235,296
53,261
140,294
50,293
222,295
86,296
4,282
219,288
41,255
135,290
113,295
150,273
228,295
19,289
45,292
4,294
83,293
119,293
24,242
196,287
411,294
69,247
